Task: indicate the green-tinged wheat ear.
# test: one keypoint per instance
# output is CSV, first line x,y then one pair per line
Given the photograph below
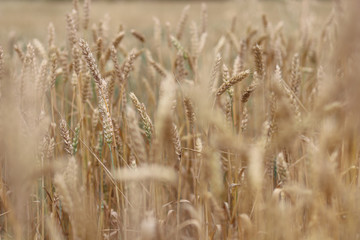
x,y
106,120
75,141
146,121
178,46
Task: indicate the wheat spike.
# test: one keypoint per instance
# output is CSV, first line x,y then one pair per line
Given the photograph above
x,y
138,35
51,35
64,132
247,92
182,22
137,142
259,61
226,85
72,33
295,75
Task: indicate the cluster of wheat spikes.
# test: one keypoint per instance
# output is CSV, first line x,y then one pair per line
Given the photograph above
x,y
172,137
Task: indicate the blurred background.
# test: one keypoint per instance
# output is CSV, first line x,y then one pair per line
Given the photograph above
x,y
153,0
31,17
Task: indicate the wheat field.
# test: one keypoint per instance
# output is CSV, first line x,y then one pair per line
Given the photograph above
x,y
234,120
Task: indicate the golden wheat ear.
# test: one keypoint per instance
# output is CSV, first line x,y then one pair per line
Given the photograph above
x,y
64,132
226,85
182,22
